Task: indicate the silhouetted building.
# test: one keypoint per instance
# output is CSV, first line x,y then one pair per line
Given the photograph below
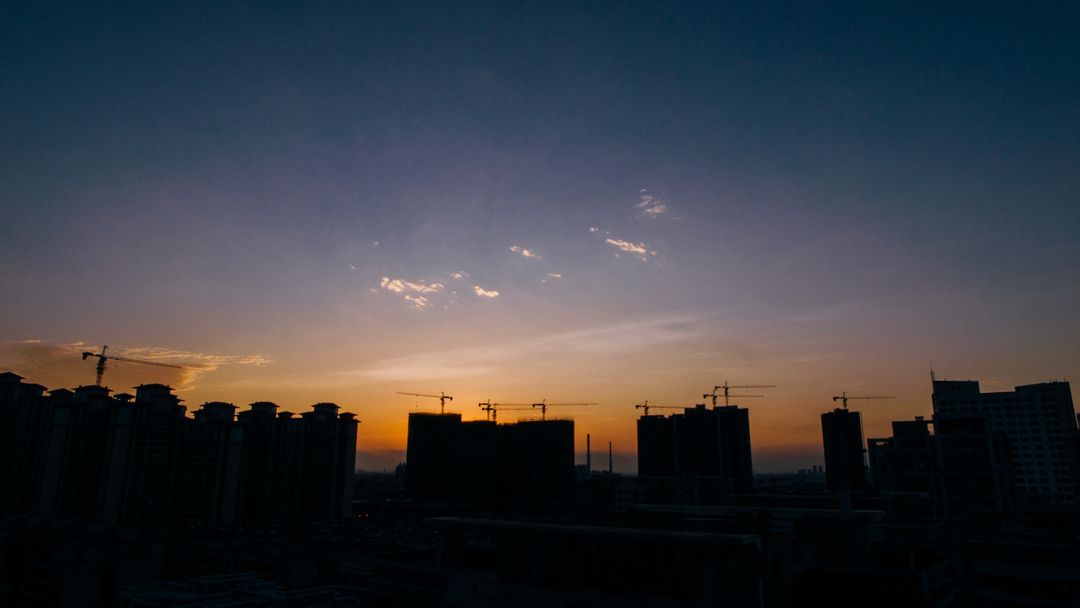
x,y
501,562
974,466
735,456
261,478
153,438
904,463
842,435
697,439
536,461
430,456
327,462
482,463
82,463
210,474
235,590
699,442
141,462
657,451
1040,423
23,413
475,461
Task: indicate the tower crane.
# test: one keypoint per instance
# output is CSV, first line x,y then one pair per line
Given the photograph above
x,y
442,397
102,358
844,397
645,406
543,405
492,409
727,391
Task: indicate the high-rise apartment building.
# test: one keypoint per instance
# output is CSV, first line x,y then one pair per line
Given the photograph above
x,y
140,461
657,451
1040,423
845,467
486,464
701,442
904,463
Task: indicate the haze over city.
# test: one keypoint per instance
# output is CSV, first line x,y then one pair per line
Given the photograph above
x,y
582,202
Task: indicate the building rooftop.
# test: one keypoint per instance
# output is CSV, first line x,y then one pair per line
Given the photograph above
x,y
683,536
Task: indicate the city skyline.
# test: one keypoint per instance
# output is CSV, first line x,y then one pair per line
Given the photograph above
x,y
768,459
603,203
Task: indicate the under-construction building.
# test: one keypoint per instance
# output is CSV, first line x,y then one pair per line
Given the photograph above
x,y
845,465
700,442
488,464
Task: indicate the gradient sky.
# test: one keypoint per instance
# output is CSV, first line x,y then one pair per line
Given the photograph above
x,y
585,201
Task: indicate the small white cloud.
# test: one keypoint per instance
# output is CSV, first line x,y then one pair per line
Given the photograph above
x,y
352,267
412,290
485,293
525,253
401,286
650,206
593,229
458,275
639,249
555,275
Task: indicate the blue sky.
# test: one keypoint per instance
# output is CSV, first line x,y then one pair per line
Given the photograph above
x,y
818,195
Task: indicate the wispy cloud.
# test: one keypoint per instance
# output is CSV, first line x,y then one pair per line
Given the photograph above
x,y
650,206
418,302
525,253
555,275
485,293
60,364
458,275
641,250
207,361
626,338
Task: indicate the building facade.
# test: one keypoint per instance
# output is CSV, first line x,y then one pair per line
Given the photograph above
x,y
1039,422
842,435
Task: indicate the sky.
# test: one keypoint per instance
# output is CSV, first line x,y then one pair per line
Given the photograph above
x,y
605,202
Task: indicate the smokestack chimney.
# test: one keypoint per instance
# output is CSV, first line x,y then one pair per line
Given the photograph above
x,y
610,461
588,453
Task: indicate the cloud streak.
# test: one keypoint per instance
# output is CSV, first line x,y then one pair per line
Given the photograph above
x,y
485,293
640,250
61,364
402,286
627,338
